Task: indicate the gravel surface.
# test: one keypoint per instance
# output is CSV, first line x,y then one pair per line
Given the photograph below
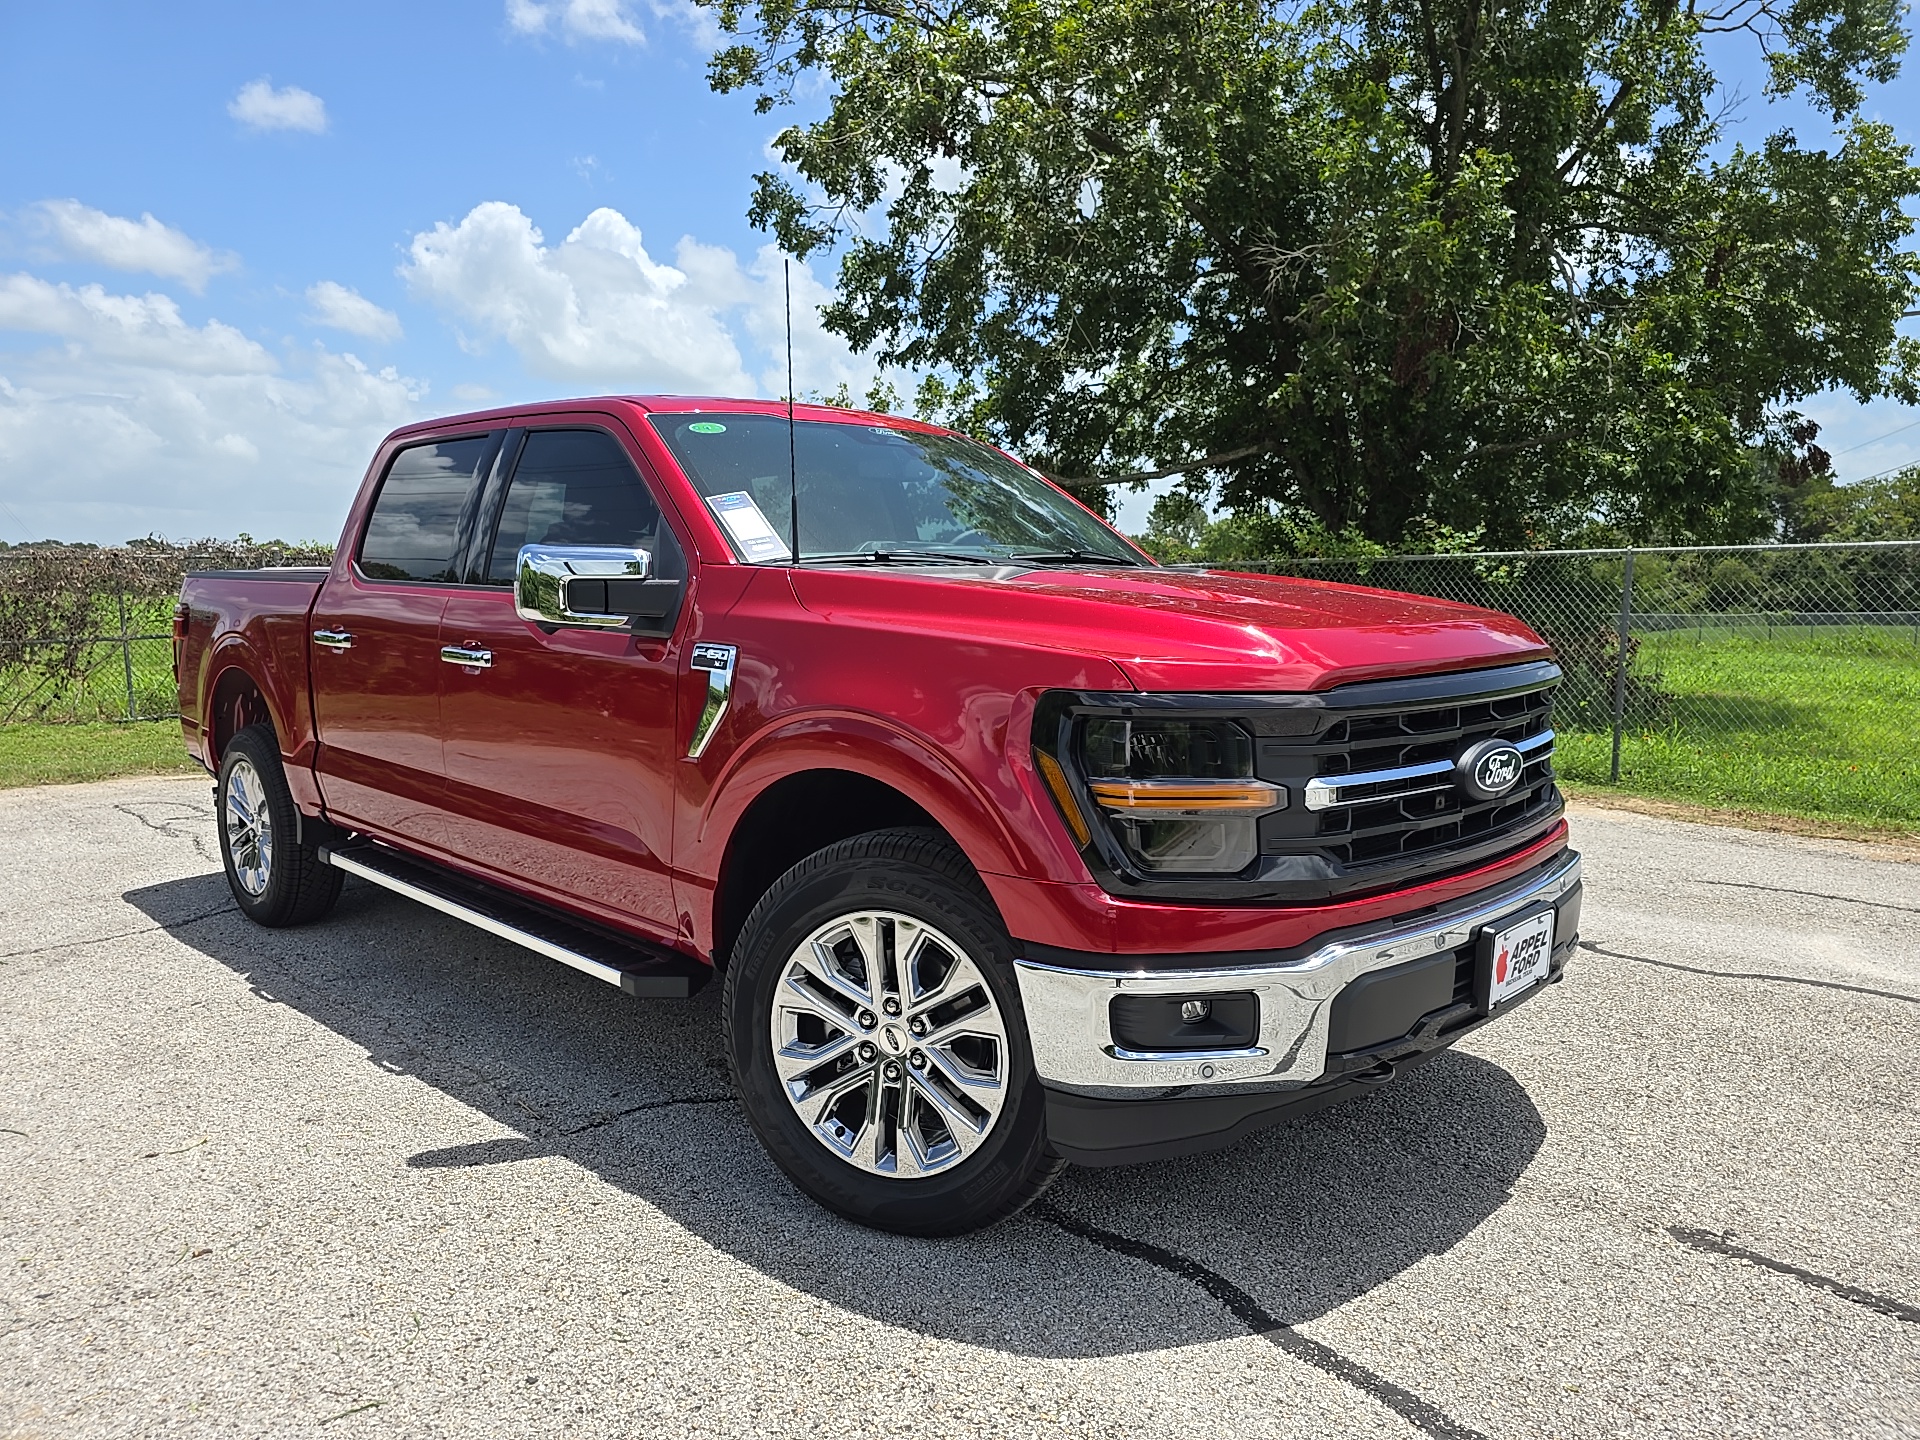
x,y
389,1176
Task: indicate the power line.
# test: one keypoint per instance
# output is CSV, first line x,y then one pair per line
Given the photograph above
x,y
1878,438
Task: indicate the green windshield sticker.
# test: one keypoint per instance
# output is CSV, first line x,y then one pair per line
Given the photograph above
x,y
707,427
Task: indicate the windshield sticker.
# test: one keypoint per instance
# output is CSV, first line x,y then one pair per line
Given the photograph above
x,y
707,427
747,526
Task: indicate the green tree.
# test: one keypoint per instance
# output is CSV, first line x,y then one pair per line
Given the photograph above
x,y
1371,266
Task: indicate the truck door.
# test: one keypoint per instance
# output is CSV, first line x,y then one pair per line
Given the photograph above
x,y
559,754
376,640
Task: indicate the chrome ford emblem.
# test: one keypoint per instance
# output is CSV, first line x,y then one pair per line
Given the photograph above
x,y
1490,769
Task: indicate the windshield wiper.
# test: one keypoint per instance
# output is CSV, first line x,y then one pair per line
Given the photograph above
x,y
1073,557
906,557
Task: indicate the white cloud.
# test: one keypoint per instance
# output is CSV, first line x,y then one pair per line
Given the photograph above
x,y
261,107
132,421
576,19
143,329
598,310
145,244
339,308
595,308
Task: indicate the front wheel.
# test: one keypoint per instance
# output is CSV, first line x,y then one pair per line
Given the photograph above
x,y
876,1039
275,879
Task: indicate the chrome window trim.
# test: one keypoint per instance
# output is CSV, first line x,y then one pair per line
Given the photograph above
x,y
1071,1033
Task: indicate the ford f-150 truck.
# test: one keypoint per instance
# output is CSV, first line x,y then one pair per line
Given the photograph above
x,y
1010,846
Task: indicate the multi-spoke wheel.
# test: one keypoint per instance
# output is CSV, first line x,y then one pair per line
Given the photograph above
x,y
877,1041
275,879
889,1044
249,827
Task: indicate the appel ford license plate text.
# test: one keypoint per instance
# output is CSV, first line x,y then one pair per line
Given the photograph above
x,y
1521,956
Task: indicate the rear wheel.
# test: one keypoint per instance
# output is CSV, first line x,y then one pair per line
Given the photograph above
x,y
876,1039
275,879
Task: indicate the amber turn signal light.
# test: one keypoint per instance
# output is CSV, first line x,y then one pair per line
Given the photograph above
x,y
1056,779
1187,797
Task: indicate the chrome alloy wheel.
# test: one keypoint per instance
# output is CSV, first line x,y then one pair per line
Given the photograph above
x,y
889,1044
249,827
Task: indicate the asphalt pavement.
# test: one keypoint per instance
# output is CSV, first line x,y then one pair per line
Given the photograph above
x,y
388,1176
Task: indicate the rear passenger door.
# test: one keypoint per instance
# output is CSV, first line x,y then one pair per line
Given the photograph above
x,y
375,646
559,754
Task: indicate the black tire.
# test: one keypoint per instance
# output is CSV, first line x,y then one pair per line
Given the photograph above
x,y
921,875
284,882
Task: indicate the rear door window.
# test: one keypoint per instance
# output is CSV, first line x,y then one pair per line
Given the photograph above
x,y
424,507
577,487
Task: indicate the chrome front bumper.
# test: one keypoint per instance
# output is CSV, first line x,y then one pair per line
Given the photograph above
x,y
1072,1037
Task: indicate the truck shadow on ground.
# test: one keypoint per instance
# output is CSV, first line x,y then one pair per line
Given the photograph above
x,y
1302,1217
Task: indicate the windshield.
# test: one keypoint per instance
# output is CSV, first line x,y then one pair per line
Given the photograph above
x,y
868,490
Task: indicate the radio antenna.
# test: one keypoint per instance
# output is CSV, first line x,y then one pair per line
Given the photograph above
x,y
793,464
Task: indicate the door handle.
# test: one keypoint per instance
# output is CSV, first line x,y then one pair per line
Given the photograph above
x,y
333,639
469,656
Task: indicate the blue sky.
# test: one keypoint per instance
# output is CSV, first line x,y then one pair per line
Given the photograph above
x,y
363,214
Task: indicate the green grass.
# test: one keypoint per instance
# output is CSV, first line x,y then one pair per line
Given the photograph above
x,y
1818,723
59,754
1823,724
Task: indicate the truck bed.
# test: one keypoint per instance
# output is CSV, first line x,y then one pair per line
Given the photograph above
x,y
251,621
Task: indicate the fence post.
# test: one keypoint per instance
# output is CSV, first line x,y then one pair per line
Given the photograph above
x,y
126,647
1622,634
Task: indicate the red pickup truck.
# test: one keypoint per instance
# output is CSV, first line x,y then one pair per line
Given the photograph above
x,y
1011,847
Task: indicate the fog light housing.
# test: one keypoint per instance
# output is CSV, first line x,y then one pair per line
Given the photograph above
x,y
1148,1023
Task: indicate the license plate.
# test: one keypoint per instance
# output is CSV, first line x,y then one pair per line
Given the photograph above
x,y
1521,956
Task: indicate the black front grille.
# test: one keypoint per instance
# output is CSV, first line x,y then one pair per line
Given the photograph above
x,y
1385,822
1374,801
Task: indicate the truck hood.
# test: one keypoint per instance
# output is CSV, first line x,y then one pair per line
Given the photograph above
x,y
1181,630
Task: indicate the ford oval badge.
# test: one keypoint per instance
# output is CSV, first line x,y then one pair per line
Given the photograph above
x,y
1490,769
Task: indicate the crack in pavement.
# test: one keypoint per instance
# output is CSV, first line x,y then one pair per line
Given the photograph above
x,y
1712,1244
122,934
505,1149
466,1083
1416,1410
599,1121
1811,895
164,826
1751,975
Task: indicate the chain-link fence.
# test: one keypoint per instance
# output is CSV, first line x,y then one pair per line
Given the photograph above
x,y
1781,678
87,633
1773,678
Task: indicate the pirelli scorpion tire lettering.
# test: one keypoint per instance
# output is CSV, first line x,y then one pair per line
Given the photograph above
x,y
274,878
875,1036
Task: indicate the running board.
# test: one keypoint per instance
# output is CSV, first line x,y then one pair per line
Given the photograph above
x,y
639,969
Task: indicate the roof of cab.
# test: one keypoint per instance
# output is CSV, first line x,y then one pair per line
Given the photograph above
x,y
668,404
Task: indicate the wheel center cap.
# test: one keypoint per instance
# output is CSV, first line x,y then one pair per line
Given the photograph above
x,y
894,1040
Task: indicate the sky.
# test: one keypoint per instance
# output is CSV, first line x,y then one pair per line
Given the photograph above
x,y
240,243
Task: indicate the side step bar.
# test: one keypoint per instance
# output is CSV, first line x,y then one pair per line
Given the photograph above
x,y
636,967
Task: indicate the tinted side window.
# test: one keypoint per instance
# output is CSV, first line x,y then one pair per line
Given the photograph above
x,y
414,530
577,487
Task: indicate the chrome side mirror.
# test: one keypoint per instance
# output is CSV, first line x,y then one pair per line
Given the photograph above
x,y
595,586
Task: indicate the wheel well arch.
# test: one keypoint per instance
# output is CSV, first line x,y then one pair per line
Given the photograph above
x,y
788,821
238,701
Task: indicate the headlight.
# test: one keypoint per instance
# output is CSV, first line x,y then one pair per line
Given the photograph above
x,y
1178,794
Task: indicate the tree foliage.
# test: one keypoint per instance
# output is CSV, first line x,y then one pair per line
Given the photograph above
x,y
1373,266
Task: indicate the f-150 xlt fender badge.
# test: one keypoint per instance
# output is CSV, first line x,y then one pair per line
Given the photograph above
x,y
718,662
1490,769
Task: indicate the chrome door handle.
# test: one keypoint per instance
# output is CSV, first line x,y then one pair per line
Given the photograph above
x,y
333,639
470,656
